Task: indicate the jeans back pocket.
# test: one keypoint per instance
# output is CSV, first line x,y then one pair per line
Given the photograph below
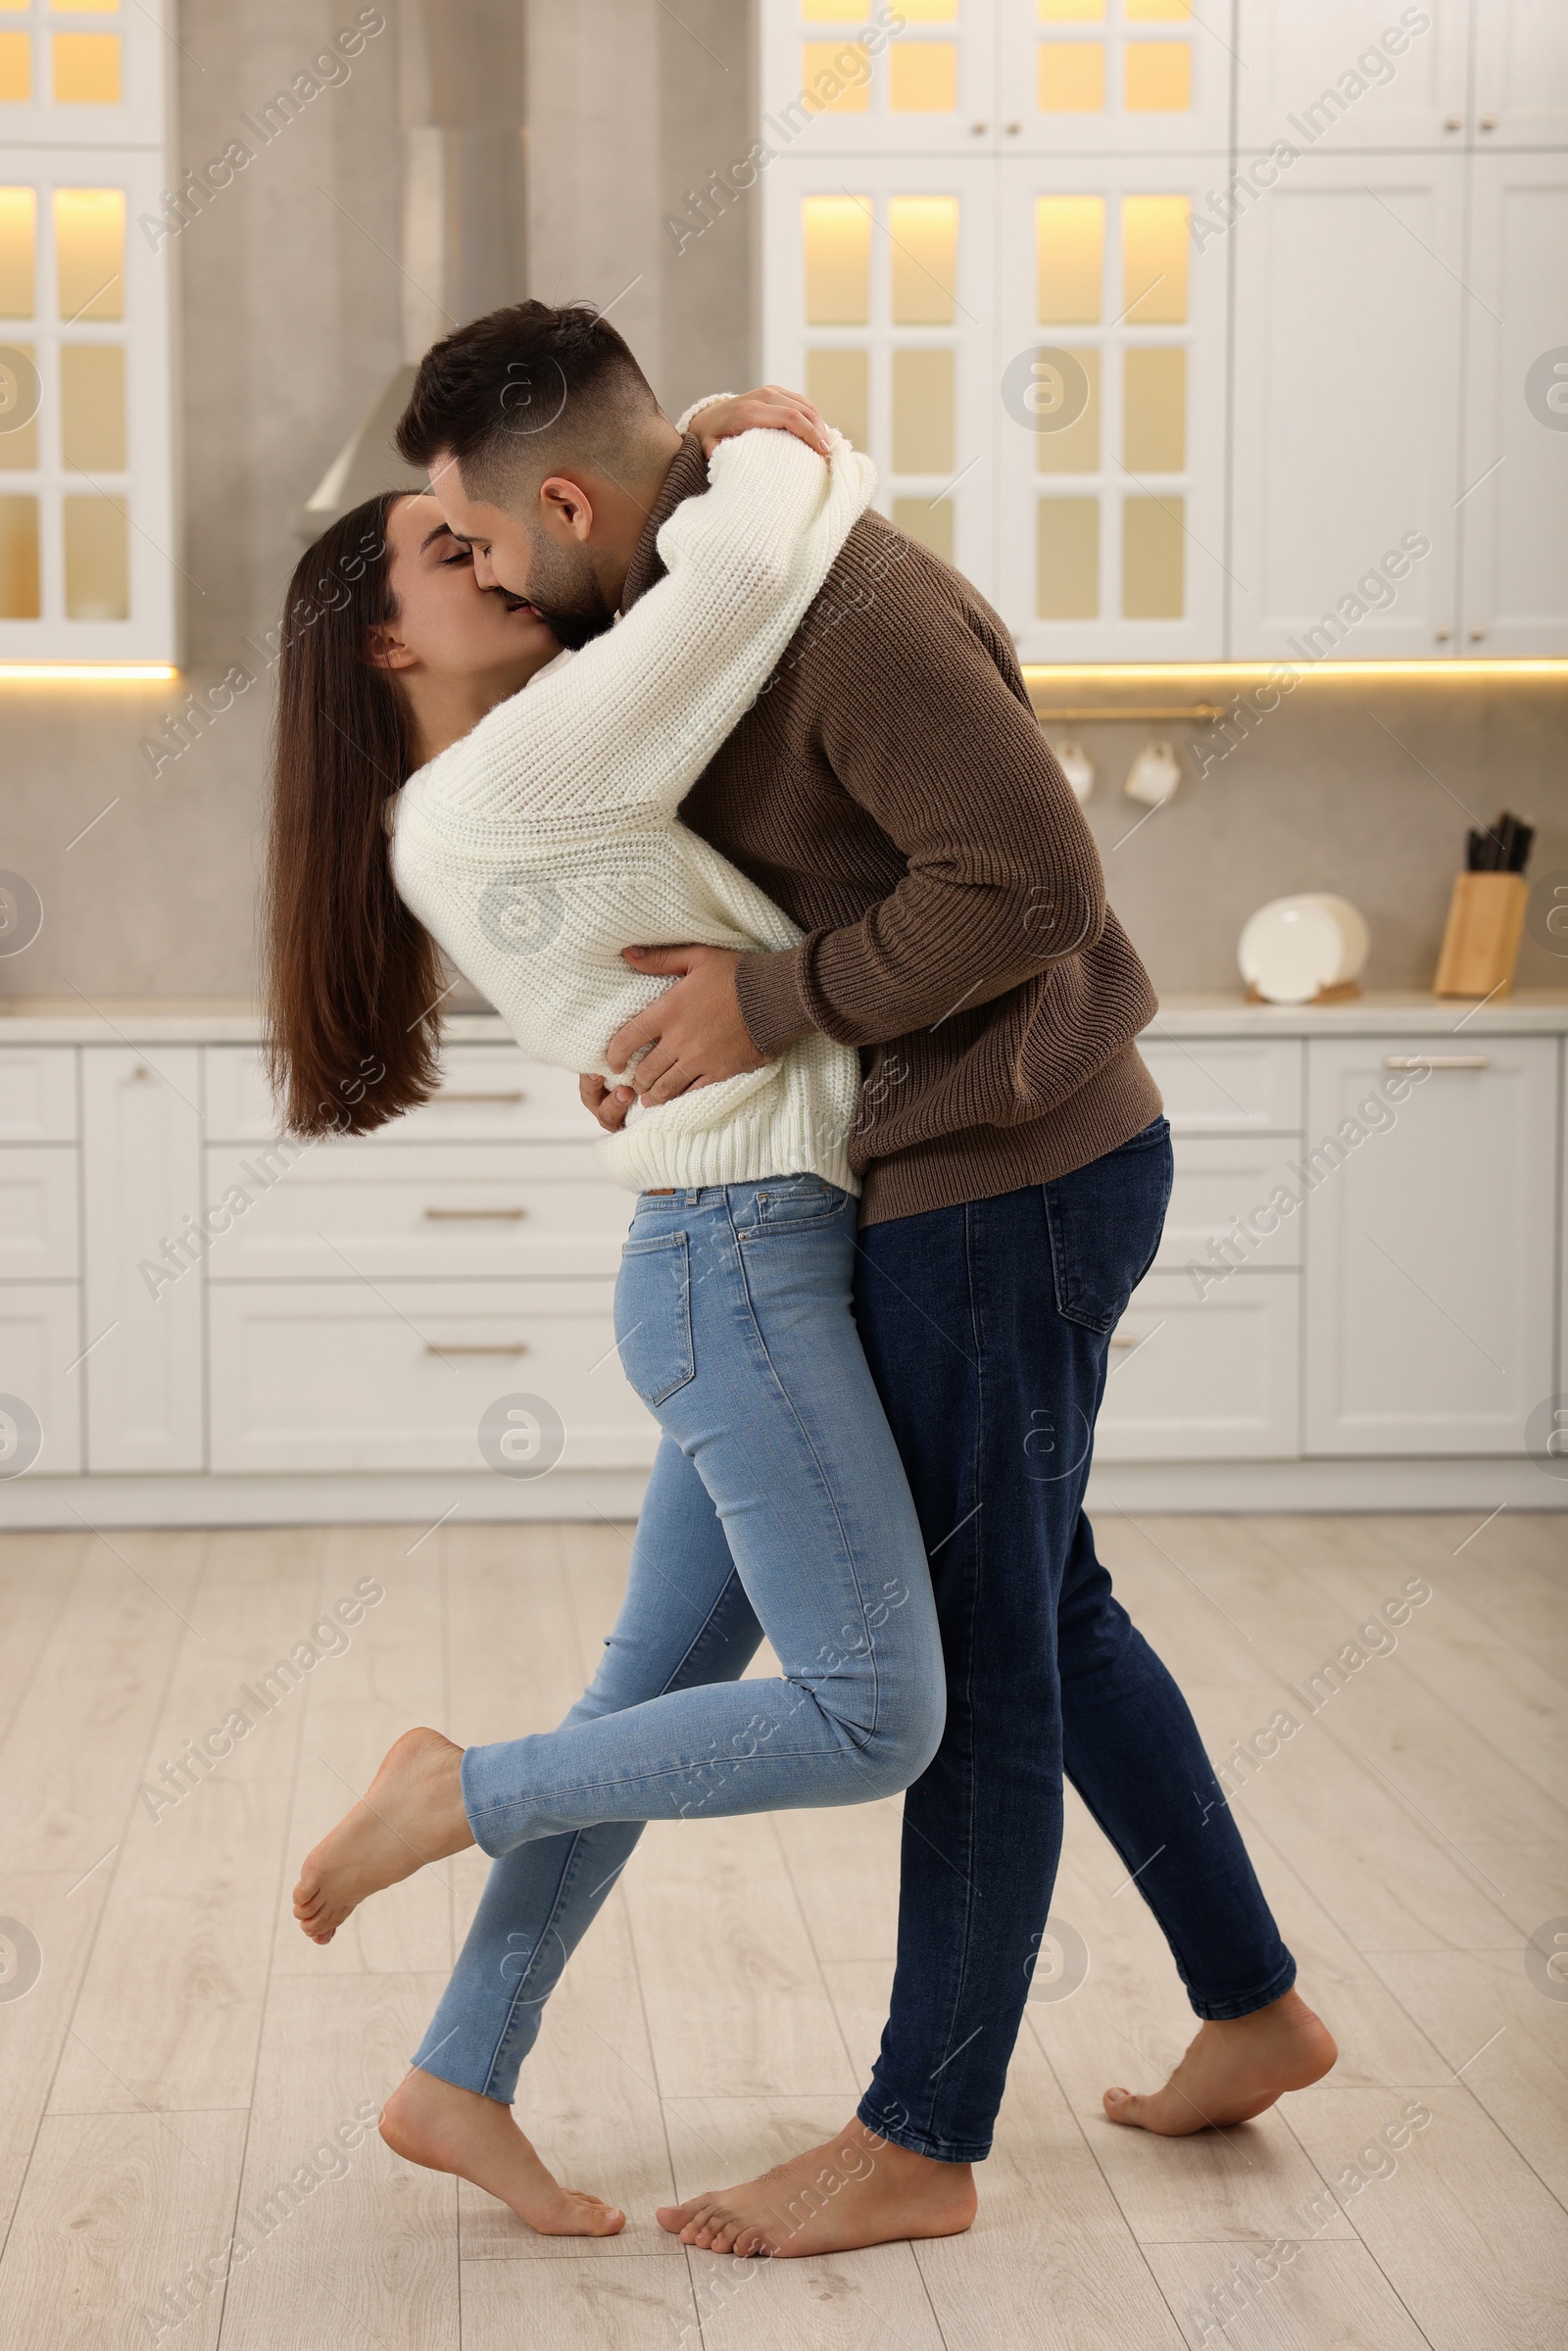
x,y
1104,1222
653,1315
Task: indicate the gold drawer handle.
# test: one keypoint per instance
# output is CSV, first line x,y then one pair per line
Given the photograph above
x,y
464,1215
1124,1337
437,1099
1437,1061
516,1346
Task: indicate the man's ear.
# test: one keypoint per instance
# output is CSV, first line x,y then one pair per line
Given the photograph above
x,y
386,648
567,508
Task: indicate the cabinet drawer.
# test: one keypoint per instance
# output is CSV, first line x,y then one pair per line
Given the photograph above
x,y
37,1093
1227,1085
40,1350
1210,1380
414,1208
39,1213
1226,1180
322,1376
489,1094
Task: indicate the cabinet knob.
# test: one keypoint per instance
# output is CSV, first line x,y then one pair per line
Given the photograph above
x,y
1489,122
1476,635
1453,123
976,129
141,1070
1443,635
1013,129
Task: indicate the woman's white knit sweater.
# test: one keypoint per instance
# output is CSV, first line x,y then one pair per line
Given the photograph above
x,y
547,840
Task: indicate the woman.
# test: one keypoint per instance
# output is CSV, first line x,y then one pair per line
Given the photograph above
x,y
534,835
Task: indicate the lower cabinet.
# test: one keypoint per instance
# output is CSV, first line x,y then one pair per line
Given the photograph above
x,y
421,1376
1204,1378
1431,1243
41,1379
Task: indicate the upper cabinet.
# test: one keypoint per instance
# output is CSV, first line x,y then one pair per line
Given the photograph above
x,y
1346,425
1113,77
1354,76
89,562
1191,336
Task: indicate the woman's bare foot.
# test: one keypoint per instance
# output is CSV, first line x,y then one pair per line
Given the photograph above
x,y
412,1813
1233,2071
433,2122
857,2189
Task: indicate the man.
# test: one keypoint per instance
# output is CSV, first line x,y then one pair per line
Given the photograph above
x,y
891,789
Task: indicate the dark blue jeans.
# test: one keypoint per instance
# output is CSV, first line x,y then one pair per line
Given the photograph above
x,y
987,1328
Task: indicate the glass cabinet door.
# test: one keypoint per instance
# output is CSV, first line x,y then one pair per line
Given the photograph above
x,y
1110,414
855,77
1114,77
879,305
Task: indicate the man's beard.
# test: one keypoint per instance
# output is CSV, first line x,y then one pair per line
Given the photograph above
x,y
566,596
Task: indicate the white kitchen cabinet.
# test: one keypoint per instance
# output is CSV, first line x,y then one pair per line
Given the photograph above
x,y
141,1181
40,1363
1513,513
1111,80
415,1210
1519,92
1204,1378
879,269
1221,1182
37,1093
1431,1245
319,1376
1111,524
1346,411
38,1235
1300,68
488,1093
929,89
1226,1085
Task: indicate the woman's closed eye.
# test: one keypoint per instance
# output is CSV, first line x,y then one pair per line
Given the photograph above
x,y
462,555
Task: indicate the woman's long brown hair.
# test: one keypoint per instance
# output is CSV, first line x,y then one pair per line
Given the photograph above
x,y
352,981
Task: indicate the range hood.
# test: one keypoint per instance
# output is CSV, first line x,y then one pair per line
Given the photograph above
x,y
461,112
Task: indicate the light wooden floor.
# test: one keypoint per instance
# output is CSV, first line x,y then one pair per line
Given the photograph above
x,y
184,2050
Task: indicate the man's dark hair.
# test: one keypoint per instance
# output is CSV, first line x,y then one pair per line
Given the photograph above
x,y
526,385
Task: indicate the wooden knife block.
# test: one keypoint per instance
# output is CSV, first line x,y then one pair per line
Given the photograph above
x,y
1480,944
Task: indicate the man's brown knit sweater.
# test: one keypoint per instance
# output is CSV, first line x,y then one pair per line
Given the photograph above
x,y
891,790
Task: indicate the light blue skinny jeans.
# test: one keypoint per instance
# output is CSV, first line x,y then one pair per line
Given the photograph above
x,y
777,1503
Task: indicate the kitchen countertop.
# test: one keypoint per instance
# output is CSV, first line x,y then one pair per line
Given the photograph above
x,y
219,1020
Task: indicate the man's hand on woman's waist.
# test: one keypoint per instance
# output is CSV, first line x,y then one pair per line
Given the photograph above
x,y
692,1035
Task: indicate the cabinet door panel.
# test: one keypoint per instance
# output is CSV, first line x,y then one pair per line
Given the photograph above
x,y
338,1376
1220,1218
489,1209
1111,462
1348,307
488,1093
1211,1378
928,89
1431,1246
1227,1085
39,1213
1514,518
37,1093
1300,68
878,303
141,1174
40,1352
1521,74
1090,80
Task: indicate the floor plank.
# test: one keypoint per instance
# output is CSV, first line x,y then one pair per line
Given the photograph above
x,y
579,2306
61,1916
123,2231
1470,2240
1321,2297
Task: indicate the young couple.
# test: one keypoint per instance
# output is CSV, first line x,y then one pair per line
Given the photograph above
x,y
783,860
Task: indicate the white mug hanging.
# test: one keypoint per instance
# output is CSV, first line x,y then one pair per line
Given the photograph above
x,y
1154,776
1078,768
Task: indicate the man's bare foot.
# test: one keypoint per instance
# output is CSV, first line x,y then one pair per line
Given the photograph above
x,y
412,1813
1233,2071
433,2122
855,2189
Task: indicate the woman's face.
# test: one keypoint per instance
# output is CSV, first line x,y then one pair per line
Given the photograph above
x,y
445,626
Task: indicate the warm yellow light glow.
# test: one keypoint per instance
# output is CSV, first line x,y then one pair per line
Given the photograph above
x,y
1041,673
72,673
